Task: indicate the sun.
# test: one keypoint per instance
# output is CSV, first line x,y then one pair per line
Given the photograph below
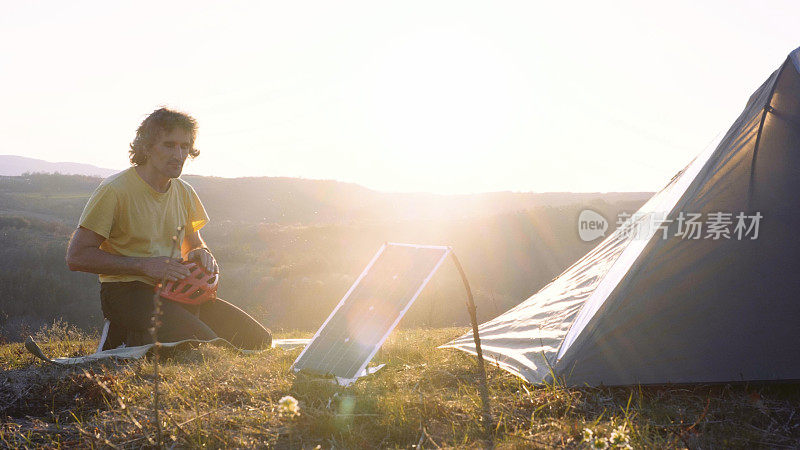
x,y
440,98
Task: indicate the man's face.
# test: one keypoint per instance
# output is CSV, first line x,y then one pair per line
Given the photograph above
x,y
169,152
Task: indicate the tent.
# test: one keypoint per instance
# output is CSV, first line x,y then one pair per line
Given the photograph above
x,y
655,302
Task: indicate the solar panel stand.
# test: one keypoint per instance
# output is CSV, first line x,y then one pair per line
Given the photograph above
x,y
482,385
348,376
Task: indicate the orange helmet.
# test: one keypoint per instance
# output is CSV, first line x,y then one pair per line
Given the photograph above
x,y
199,287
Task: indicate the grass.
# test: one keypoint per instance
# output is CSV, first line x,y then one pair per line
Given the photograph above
x,y
424,397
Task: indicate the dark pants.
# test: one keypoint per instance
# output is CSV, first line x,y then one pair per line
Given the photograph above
x,y
129,307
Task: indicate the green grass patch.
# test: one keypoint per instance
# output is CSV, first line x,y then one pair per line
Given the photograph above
x,y
424,397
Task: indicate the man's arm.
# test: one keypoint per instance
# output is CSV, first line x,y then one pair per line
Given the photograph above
x,y
84,255
195,249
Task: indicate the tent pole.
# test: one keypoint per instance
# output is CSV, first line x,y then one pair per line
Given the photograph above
x,y
482,386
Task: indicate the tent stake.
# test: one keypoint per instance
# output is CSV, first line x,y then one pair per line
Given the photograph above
x,y
482,386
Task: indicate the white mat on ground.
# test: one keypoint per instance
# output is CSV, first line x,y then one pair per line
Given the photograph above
x,y
141,350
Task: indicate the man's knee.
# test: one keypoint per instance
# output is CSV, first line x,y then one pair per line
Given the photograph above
x,y
235,325
178,324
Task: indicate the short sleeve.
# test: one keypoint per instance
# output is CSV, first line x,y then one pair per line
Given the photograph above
x,y
197,213
98,215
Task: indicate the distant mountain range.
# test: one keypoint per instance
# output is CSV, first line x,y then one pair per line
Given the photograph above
x,y
295,200
282,199
13,165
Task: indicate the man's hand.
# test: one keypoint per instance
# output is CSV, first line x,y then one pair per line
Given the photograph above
x,y
163,268
203,257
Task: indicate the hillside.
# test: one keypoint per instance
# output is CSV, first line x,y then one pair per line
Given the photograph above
x,y
291,247
424,397
13,165
295,200
280,199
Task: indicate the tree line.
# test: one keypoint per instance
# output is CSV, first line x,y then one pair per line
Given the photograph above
x,y
290,275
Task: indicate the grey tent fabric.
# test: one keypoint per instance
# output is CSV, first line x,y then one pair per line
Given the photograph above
x,y
648,309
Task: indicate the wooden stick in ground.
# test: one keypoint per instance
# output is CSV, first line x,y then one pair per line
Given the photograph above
x,y
156,343
482,387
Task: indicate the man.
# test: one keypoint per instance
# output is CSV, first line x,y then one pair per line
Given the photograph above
x,y
125,235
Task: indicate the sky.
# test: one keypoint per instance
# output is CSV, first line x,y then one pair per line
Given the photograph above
x,y
411,96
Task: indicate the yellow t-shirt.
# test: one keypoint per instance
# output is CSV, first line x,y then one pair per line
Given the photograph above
x,y
137,220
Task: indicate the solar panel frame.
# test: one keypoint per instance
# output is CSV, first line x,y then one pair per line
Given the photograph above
x,y
349,376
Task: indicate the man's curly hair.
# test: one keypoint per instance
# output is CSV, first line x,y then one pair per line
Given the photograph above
x,y
162,120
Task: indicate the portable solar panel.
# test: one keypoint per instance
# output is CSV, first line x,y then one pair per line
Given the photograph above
x,y
369,311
